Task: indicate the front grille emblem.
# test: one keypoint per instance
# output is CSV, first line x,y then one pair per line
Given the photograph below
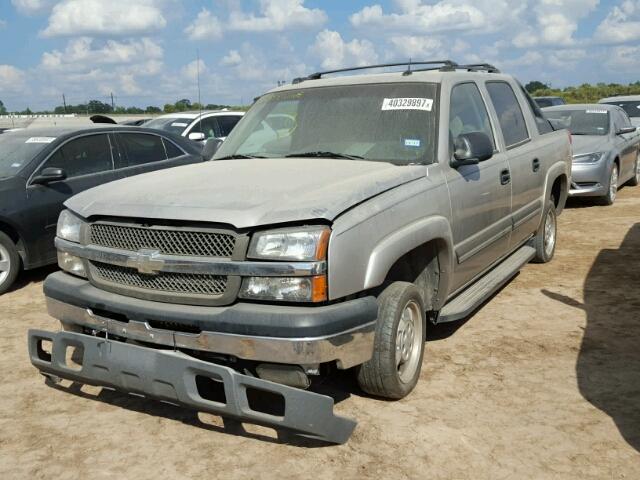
x,y
146,262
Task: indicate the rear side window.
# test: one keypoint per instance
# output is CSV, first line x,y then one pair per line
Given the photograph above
x,y
83,156
209,126
514,129
171,149
542,123
226,123
140,148
468,112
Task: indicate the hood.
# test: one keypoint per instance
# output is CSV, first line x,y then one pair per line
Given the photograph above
x,y
246,193
590,143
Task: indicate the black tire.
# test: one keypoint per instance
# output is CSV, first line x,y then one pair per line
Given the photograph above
x,y
545,251
610,197
635,180
381,376
10,258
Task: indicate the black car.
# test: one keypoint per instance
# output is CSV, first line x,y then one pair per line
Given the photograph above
x,y
41,168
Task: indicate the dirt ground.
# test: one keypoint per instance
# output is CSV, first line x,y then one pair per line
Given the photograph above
x,y
542,382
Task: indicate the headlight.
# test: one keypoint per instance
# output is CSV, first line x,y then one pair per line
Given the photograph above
x,y
285,289
69,226
588,158
72,264
299,243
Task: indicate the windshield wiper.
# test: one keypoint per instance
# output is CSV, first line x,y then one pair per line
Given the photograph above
x,y
325,154
239,156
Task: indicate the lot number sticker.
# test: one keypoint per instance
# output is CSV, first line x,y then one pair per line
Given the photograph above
x,y
40,140
407,104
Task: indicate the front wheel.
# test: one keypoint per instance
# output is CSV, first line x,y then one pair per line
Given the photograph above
x,y
612,190
545,240
394,368
9,263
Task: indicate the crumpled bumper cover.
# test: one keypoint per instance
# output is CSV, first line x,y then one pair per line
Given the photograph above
x,y
170,376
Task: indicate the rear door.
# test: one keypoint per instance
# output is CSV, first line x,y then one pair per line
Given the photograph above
x,y
480,196
627,144
141,152
525,154
87,161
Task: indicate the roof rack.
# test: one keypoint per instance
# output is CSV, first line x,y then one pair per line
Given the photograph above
x,y
409,64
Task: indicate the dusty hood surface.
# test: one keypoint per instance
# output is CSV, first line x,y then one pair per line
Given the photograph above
x,y
591,143
245,193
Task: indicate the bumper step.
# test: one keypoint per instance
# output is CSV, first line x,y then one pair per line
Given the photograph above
x,y
174,377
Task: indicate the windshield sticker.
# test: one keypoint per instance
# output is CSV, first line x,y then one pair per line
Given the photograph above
x,y
179,124
596,111
16,165
411,142
40,140
407,104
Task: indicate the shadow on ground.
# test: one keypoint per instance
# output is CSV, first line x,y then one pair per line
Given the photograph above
x,y
608,366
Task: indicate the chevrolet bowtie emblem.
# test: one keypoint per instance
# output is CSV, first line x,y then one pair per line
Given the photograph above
x,y
145,262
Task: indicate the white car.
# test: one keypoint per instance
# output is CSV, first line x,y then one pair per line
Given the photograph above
x,y
629,103
198,126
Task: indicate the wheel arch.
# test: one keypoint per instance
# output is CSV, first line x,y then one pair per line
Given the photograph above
x,y
12,232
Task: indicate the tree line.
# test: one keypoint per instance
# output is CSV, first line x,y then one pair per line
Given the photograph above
x,y
585,93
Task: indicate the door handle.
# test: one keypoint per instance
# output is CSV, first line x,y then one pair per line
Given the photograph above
x,y
505,177
535,164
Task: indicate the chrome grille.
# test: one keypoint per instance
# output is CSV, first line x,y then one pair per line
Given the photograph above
x,y
167,241
180,283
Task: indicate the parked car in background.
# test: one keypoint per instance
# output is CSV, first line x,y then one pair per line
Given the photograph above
x,y
630,104
549,101
41,168
198,126
376,206
136,123
605,148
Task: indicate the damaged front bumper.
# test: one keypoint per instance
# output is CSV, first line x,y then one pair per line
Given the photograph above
x,y
176,378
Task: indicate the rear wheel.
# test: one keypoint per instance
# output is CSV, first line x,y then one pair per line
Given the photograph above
x,y
612,188
545,240
9,263
635,180
394,368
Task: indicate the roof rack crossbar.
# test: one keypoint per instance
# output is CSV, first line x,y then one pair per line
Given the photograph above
x,y
409,64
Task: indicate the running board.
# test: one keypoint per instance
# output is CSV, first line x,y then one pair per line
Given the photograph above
x,y
471,298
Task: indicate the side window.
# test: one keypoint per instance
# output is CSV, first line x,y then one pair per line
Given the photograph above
x,y
171,149
514,129
544,126
624,118
227,123
209,126
468,112
141,148
83,156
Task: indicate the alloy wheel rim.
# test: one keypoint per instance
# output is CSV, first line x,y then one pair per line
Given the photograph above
x,y
408,341
5,264
549,233
613,185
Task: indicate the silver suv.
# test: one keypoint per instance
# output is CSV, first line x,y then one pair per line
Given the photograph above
x,y
339,220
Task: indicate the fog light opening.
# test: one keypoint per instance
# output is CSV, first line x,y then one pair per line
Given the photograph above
x,y
43,349
73,357
211,389
264,401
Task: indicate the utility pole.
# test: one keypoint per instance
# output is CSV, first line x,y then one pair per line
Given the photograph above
x,y
64,102
113,107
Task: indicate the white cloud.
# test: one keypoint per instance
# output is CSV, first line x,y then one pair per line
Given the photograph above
x,y
274,16
444,15
277,15
624,57
80,54
11,79
31,7
416,48
2,23
205,26
191,69
334,52
621,25
231,58
567,58
100,17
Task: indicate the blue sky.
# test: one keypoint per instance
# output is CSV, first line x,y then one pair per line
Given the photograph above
x,y
144,51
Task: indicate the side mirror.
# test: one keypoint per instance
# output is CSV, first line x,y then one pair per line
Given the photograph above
x,y
625,130
48,175
471,149
210,148
196,136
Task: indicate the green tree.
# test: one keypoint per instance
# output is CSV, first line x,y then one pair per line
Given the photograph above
x,y
152,109
3,110
169,108
535,85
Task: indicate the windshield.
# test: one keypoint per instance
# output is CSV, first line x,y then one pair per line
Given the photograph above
x,y
16,151
173,125
580,122
632,108
393,122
